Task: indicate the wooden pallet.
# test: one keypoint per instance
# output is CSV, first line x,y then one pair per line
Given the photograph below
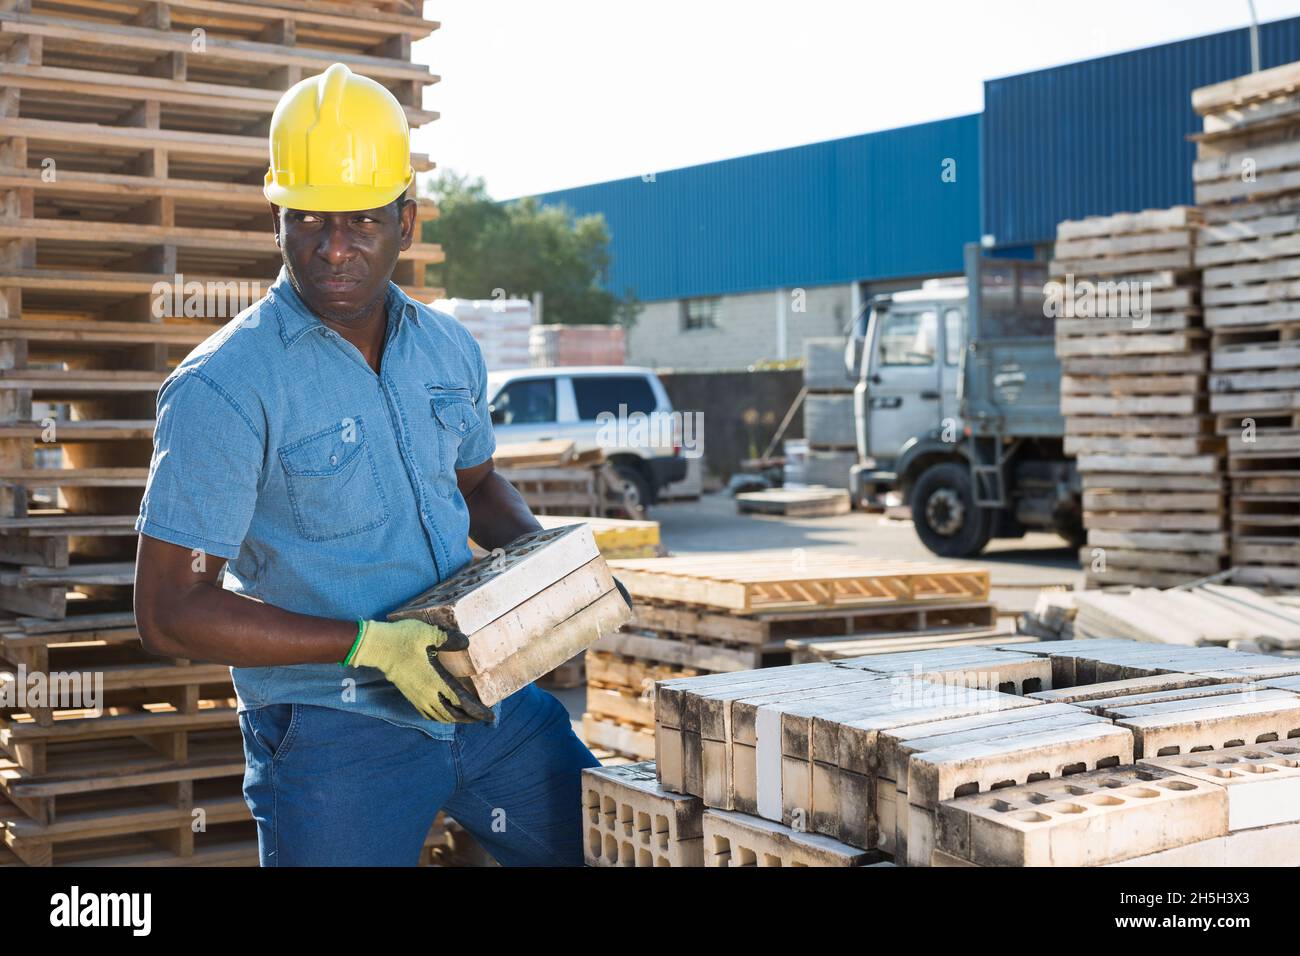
x,y
129,158
795,502
760,582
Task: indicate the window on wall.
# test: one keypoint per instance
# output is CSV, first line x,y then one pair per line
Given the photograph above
x,y
699,314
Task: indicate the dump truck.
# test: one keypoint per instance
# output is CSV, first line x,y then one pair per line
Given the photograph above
x,y
957,407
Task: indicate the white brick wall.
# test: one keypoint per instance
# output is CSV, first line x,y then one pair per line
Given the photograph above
x,y
746,331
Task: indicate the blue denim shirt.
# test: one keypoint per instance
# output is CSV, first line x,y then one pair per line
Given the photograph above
x,y
330,490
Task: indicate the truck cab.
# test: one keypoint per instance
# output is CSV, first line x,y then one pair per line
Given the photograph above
x,y
957,407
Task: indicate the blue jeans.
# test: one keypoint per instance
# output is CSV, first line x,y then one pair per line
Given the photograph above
x,y
329,787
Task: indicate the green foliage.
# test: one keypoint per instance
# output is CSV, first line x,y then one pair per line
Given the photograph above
x,y
521,248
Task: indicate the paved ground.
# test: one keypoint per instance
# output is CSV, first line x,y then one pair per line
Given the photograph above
x,y
1017,567
712,524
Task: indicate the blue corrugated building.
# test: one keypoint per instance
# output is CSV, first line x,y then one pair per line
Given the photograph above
x,y
739,260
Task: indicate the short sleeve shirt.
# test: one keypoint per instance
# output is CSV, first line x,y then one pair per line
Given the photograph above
x,y
329,489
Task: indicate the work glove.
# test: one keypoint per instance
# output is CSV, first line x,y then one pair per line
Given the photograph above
x,y
623,591
407,652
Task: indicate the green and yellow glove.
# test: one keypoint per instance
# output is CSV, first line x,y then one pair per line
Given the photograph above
x,y
407,653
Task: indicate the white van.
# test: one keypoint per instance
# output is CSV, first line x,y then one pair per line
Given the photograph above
x,y
577,402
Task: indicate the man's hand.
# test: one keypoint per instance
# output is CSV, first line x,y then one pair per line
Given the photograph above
x,y
407,653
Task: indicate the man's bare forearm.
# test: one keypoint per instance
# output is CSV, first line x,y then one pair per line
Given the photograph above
x,y
209,623
498,513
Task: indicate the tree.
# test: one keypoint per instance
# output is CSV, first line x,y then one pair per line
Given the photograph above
x,y
518,248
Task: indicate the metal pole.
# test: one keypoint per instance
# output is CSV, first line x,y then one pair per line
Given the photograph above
x,y
1254,38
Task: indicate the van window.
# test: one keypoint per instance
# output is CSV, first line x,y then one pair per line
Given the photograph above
x,y
604,393
908,338
526,401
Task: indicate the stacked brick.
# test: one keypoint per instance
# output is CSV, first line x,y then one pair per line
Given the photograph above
x,y
1247,180
132,152
1134,394
1101,752
738,612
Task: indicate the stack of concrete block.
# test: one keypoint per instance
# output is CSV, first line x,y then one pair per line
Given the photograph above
x,y
631,820
1103,752
737,612
1232,806
1247,177
1134,393
828,420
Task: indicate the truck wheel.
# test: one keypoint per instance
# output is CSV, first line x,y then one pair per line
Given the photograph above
x,y
945,515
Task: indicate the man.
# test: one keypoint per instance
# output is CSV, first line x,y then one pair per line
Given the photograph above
x,y
317,462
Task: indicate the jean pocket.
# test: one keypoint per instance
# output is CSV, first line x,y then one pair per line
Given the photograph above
x,y
274,728
453,410
333,484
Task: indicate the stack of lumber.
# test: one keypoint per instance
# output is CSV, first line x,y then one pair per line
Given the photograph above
x,y
734,612
1074,753
1247,179
526,609
555,478
828,420
1203,614
132,154
1134,394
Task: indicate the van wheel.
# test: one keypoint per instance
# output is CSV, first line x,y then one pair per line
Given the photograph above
x,y
944,512
637,488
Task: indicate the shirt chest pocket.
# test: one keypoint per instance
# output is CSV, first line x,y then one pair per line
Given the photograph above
x,y
333,485
454,420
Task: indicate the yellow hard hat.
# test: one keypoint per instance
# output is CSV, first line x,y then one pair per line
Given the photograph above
x,y
339,142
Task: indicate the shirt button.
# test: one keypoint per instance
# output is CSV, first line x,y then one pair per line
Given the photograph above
x,y
334,459
462,426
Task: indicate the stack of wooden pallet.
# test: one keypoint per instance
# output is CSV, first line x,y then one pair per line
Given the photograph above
x,y
132,153
1247,176
828,415
956,757
556,478
736,612
1134,396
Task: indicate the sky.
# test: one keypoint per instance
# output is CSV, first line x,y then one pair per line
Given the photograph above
x,y
537,95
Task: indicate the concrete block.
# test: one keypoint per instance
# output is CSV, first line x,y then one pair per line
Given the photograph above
x,y
1229,720
1212,852
1121,688
1121,704
1089,819
1262,781
939,775
527,610
1277,845
979,667
843,751
631,820
735,839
